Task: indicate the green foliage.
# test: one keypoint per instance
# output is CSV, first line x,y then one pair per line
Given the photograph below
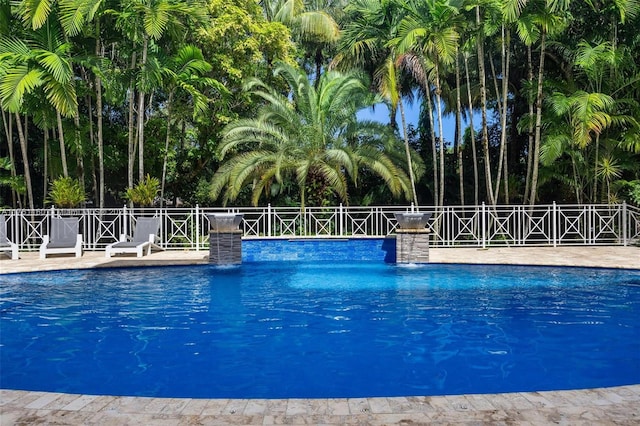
x,y
312,137
144,193
66,192
15,183
635,192
631,189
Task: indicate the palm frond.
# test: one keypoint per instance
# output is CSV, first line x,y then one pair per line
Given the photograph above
x,y
16,83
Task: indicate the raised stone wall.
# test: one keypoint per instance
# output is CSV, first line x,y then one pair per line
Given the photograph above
x,y
225,248
412,246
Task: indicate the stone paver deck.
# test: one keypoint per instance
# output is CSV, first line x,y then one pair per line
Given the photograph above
x,y
603,406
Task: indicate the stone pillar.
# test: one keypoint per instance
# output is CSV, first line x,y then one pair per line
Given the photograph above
x,y
225,239
225,248
412,237
412,246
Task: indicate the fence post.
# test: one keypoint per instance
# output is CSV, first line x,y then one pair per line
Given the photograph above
x,y
125,221
624,223
197,227
554,224
341,220
484,226
269,220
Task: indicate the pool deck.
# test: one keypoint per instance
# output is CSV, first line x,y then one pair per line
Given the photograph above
x,y
603,406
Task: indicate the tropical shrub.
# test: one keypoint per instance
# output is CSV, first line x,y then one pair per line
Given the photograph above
x,y
66,192
145,192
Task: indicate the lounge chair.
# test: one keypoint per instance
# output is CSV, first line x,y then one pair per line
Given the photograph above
x,y
64,237
144,238
5,244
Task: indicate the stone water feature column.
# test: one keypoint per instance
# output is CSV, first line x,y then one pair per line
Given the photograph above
x,y
225,238
412,237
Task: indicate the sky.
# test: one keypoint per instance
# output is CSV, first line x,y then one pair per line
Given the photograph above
x,y
381,114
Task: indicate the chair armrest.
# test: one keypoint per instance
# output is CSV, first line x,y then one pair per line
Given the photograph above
x,y
43,246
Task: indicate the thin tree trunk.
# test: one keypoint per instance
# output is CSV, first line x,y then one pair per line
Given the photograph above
x,y
98,80
473,134
440,131
408,154
7,122
63,154
45,181
25,160
483,101
496,88
530,134
166,148
79,151
538,131
131,145
92,142
434,150
503,124
141,115
575,179
595,169
458,142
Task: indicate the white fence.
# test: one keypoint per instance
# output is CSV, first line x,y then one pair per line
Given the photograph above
x,y
474,226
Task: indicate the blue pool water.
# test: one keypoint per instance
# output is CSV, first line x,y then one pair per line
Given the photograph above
x,y
293,329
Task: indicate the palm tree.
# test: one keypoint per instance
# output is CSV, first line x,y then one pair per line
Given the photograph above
x,y
184,74
583,116
549,17
146,21
38,62
370,26
312,136
472,132
429,28
74,16
312,24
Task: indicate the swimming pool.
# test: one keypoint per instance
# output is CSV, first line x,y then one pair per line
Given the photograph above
x,y
331,329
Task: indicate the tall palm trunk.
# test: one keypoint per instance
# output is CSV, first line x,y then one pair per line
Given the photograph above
x,y
79,151
45,181
440,131
131,144
141,115
538,128
63,151
483,101
458,142
407,152
473,133
98,80
434,149
595,169
502,158
530,133
166,148
92,143
25,160
7,122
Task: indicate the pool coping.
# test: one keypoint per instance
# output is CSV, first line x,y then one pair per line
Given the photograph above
x,y
614,405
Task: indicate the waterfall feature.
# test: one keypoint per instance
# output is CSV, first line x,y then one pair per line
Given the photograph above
x,y
225,238
412,237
